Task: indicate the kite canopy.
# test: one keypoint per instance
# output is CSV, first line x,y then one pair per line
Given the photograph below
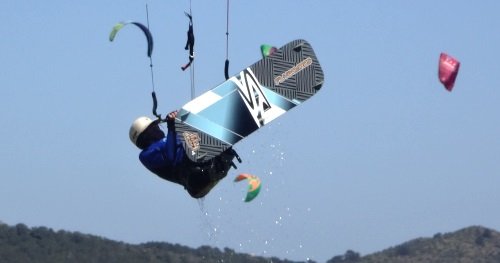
x,y
448,70
253,185
267,50
144,29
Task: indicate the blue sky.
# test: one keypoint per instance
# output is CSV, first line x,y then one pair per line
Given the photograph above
x,y
381,155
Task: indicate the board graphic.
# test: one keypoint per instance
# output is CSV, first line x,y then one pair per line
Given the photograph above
x,y
260,93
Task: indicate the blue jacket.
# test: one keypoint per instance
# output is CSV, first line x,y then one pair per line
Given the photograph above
x,y
165,158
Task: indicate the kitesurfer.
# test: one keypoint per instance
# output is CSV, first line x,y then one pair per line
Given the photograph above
x,y
165,157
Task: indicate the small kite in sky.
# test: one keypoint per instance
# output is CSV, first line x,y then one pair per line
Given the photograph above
x,y
267,50
144,29
448,70
253,185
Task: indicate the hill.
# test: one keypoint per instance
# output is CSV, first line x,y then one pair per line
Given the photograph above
x,y
41,244
470,245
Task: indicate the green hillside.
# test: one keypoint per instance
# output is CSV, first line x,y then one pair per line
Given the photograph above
x,y
470,245
41,244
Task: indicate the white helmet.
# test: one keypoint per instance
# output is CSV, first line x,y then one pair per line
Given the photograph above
x,y
138,126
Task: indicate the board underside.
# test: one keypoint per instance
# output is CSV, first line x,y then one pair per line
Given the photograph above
x,y
219,118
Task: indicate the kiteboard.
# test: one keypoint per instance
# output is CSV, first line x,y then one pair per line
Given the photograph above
x,y
219,118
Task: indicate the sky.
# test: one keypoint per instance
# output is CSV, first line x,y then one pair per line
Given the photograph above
x,y
381,155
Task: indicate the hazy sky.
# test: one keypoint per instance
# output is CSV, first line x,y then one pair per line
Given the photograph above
x,y
382,154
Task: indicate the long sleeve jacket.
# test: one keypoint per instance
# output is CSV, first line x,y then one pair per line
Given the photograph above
x,y
165,156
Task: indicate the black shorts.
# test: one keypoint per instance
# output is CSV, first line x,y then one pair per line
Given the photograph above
x,y
202,177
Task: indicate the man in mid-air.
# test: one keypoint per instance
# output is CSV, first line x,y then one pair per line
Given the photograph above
x,y
165,156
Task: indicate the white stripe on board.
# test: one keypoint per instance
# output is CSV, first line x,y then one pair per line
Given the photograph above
x,y
202,102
